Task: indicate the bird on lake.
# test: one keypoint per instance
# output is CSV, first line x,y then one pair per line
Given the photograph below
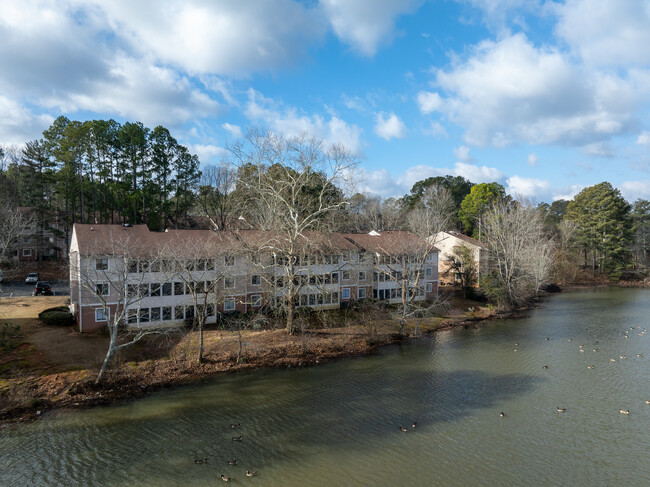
x,y
237,438
623,356
639,355
570,340
612,360
590,366
548,338
235,425
403,429
545,367
232,462
224,478
198,461
647,401
414,424
502,414
561,410
624,411
250,474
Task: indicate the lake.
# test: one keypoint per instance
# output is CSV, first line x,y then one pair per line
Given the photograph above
x,y
339,423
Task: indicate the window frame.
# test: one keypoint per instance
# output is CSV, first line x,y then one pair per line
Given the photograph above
x,y
104,313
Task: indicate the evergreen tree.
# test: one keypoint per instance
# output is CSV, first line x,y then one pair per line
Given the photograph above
x,y
605,226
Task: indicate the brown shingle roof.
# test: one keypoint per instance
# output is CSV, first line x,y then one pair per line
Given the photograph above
x,y
467,239
390,242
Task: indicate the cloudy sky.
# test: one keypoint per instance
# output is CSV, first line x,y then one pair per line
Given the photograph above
x,y
545,97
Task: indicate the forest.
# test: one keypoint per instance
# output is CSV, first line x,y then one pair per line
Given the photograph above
x,y
102,171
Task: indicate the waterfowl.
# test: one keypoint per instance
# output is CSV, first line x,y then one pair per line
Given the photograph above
x,y
403,429
234,425
502,414
561,410
612,360
224,478
548,338
647,401
623,356
639,355
232,462
414,425
545,367
516,350
595,350
199,461
624,411
237,438
570,340
250,474
581,350
590,366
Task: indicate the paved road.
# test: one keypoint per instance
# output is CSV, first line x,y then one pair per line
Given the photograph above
x,y
19,288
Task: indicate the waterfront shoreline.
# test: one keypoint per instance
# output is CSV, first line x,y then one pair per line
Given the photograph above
x,y
40,392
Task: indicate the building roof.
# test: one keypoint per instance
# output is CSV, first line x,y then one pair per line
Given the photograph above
x,y
138,240
390,242
466,239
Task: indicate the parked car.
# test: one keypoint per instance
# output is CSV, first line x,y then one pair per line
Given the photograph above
x,y
43,288
32,278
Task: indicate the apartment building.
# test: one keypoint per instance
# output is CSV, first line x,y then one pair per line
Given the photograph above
x,y
448,244
165,278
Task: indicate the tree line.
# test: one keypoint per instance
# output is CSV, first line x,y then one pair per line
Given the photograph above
x,y
101,171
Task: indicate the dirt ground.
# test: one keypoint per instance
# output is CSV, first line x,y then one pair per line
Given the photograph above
x,y
54,367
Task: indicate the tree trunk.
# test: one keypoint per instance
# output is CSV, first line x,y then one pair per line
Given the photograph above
x,y
200,343
107,361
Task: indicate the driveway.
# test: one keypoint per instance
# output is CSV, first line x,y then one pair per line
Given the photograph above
x,y
19,288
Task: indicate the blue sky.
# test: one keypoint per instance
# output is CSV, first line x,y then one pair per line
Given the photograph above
x,y
544,97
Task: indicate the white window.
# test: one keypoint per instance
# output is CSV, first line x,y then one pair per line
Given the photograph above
x,y
101,264
102,289
345,293
27,252
256,300
362,292
100,315
346,275
229,282
256,280
429,287
362,275
428,271
229,305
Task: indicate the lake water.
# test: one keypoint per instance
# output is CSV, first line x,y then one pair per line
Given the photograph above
x,y
338,424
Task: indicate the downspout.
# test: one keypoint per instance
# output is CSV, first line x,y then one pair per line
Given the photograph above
x,y
81,319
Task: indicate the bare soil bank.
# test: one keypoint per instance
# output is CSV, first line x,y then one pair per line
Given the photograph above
x,y
52,368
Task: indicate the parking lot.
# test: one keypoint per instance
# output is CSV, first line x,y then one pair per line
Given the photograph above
x,y
19,288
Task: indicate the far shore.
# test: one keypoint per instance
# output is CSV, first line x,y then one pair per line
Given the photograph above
x,y
55,368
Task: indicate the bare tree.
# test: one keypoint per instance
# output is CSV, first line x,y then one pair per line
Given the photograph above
x,y
462,263
199,267
114,273
217,184
292,186
520,252
12,224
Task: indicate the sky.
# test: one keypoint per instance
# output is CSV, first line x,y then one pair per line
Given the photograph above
x,y
544,97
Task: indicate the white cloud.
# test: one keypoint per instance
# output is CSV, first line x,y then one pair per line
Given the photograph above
x,y
568,193
606,32
382,183
632,190
208,153
532,159
235,130
644,138
428,102
227,38
18,124
462,154
600,149
527,188
437,130
366,24
497,14
509,91
287,121
389,126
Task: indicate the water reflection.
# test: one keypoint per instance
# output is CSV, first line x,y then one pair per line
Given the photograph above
x,y
339,424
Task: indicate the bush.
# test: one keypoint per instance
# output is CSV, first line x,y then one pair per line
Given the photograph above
x,y
59,316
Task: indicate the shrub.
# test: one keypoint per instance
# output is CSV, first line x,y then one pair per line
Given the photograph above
x,y
59,316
